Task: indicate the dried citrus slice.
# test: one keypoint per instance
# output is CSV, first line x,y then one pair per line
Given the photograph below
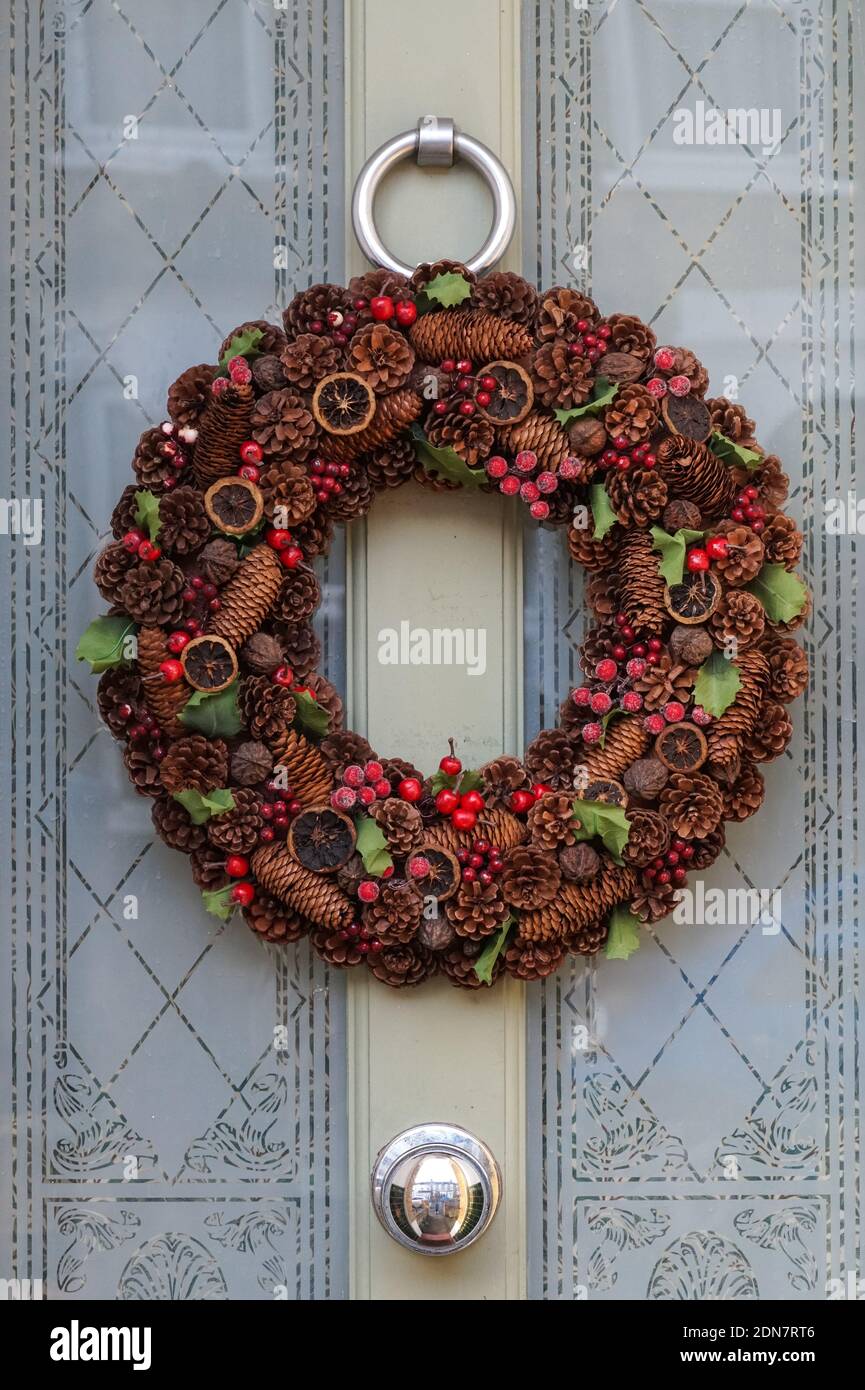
x,y
694,599
343,403
322,839
606,790
209,664
234,505
443,878
687,415
681,747
513,397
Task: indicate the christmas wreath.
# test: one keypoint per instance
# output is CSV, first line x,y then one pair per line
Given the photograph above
x,y
209,659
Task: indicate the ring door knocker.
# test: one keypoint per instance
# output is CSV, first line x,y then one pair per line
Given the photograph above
x,y
209,662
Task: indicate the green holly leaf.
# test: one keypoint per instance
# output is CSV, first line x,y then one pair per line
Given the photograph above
x,y
672,548
483,966
717,685
372,846
623,934
217,716
470,781
200,807
602,511
218,901
467,781
446,462
242,345
103,643
782,594
442,781
733,453
147,512
604,392
608,823
448,289
310,714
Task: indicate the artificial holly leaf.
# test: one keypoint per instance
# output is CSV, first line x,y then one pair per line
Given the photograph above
x,y
217,715
782,594
609,823
200,807
448,289
103,643
242,345
372,846
604,392
483,966
672,563
219,902
310,714
733,453
147,512
602,511
623,934
468,781
717,684
443,781
446,462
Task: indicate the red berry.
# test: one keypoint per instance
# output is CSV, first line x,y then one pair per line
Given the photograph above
x,y
753,512
679,385
373,770
601,702
488,383
673,712
405,313
655,644
242,893
381,308
687,851
582,695
679,874
464,384
539,511
621,620
132,540
496,466
171,670
700,716
448,365
663,876
410,789
381,787
636,667
697,560
737,514
509,485
267,834
251,452
521,801
665,359
483,399
654,723
237,866
450,765
540,789
606,669
657,387
124,713
148,551
547,482
464,365
466,408
343,799
250,472
353,775
283,675
569,468
291,557
757,527
470,874
752,493
716,547
177,641
277,539
366,795
529,492
632,702
619,652
472,801
192,626
368,890
464,819
526,461
591,732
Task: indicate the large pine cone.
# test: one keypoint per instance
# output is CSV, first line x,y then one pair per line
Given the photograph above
x,y
308,358
559,378
174,825
469,333
561,311
236,832
189,395
530,877
476,909
694,473
315,896
283,426
165,699
222,429
152,593
787,676
196,764
394,414
508,295
268,710
730,419
638,495
400,823
123,518
629,334
632,414
373,283
307,773
782,541
740,617
156,459
401,966
247,598
118,686
502,777
741,716
109,573
551,758
551,822
533,960
641,586
693,805
273,921
668,680
184,525
588,941
312,306
543,435
469,436
382,357
744,558
648,837
626,741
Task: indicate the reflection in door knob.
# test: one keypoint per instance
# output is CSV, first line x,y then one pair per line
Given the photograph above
x,y
435,1188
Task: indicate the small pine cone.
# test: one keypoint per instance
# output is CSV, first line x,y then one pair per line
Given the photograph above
x,y
402,966
782,541
337,947
381,356
652,902
745,797
396,914
771,479
725,762
143,769
693,805
340,749
629,334
689,365
351,875
289,496
123,516
165,699
217,562
112,566
184,525
594,556
542,435
744,558
602,594
392,465
458,963
626,741
787,676
551,821
641,585
356,498
273,921
730,419
272,339
632,414
469,333
283,426
261,654
379,282
298,597
648,838
507,295
208,869
551,758
313,306
588,941
196,764
638,495
741,716
268,710
268,375
152,593
476,910
248,596
596,644
251,763
395,769
668,680
739,615
174,825
315,896
189,395
314,535
236,831
431,270
561,310
302,647
707,850
533,960
400,823
154,462
530,877
308,358
118,686
693,472
308,775
558,378
471,436
329,698
394,414
502,777
222,428
771,733
571,717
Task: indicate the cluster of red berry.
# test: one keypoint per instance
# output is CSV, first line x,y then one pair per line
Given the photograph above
x,y
748,511
670,867
383,310
624,455
667,360
277,811
482,862
673,712
591,341
280,540
138,544
521,478
237,867
614,691
142,728
361,786
463,808
463,391
701,556
326,478
365,940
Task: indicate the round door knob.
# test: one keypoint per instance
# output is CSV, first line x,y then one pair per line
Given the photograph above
x,y
435,1188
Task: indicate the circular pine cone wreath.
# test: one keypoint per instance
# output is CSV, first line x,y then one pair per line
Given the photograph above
x,y
591,425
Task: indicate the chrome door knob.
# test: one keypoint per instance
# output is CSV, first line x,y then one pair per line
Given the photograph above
x,y
435,1188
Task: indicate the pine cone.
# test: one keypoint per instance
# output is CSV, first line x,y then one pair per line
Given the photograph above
x,y
595,556
392,465
315,896
471,437
302,647
739,616
744,558
196,764
626,741
356,497
476,910
394,414
668,680
396,914
384,358
788,669
648,838
236,832
469,333
351,875
338,947
533,960
558,378
308,775
217,562
247,597
289,496
222,428
143,769
580,905
298,597
771,733
730,420
208,869
692,804
379,282
707,850
272,339
745,797
308,358
273,921
152,593
112,566
551,758
458,964
770,478
400,823
401,966
530,877
638,495
189,395
561,310
782,541
174,825
329,698
165,699
632,414
741,716
725,761
118,686
508,296
693,472
596,644
251,764
687,364
261,654
629,334
340,749
268,710
283,426
641,585
312,306
543,435
551,821
653,901
184,525
431,270
314,535
156,459
602,594
588,941
123,518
